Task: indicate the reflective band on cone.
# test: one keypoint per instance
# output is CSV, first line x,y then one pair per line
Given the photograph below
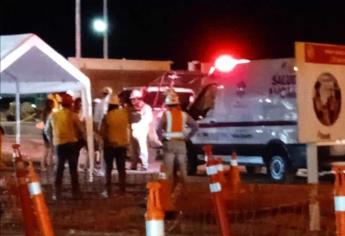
x,y
234,163
215,187
211,170
34,188
339,203
220,167
154,227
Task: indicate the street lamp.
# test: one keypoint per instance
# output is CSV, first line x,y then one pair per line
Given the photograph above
x,y
100,25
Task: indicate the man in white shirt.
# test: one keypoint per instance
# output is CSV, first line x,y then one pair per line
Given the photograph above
x,y
141,117
101,108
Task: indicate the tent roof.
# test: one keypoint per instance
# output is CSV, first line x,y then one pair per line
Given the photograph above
x,y
29,65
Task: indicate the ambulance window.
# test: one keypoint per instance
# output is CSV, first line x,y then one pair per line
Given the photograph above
x,y
204,102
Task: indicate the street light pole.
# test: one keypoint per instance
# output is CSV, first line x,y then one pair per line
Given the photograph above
x,y
77,30
105,33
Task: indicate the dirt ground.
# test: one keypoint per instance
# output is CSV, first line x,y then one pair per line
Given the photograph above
x,y
89,214
256,209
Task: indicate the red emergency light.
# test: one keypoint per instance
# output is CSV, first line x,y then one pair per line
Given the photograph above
x,y
225,63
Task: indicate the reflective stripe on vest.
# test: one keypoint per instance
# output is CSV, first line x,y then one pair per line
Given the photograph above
x,y
175,122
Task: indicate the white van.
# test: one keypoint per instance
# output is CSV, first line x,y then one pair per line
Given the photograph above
x,y
252,111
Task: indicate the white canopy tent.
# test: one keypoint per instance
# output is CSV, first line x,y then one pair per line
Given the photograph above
x,y
28,65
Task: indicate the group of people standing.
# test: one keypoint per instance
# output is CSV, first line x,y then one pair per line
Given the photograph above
x,y
121,131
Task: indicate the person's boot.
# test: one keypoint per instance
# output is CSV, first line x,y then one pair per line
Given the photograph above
x,y
56,195
107,192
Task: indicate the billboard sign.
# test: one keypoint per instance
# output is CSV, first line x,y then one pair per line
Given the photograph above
x,y
320,92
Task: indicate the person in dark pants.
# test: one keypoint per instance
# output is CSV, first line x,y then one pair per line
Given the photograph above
x,y
63,128
115,131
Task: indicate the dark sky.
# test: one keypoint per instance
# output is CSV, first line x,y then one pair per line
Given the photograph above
x,y
180,30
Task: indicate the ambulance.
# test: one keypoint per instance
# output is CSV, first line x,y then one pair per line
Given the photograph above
x,y
251,110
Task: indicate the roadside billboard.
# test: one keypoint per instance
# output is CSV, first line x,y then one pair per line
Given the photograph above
x,y
320,92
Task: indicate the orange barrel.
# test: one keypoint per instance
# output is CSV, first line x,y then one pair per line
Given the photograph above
x,y
154,215
339,197
39,203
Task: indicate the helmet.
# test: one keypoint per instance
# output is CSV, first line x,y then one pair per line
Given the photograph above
x,y
114,100
65,99
107,90
171,98
136,94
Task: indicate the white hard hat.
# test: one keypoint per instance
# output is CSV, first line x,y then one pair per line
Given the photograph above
x,y
136,94
107,90
171,98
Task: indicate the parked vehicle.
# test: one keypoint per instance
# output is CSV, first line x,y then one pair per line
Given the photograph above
x,y
252,110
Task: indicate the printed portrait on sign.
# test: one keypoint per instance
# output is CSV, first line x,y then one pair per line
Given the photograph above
x,y
327,99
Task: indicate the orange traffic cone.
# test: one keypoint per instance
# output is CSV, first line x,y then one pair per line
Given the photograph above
x,y
39,203
27,210
339,198
216,191
154,215
235,179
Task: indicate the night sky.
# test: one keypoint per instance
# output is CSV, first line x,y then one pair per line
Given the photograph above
x,y
180,30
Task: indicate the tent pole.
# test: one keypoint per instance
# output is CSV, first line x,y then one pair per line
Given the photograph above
x,y
17,112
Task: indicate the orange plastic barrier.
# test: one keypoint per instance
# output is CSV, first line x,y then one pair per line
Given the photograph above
x,y
154,215
27,211
216,191
39,203
339,197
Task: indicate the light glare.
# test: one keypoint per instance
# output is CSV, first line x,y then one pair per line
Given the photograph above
x,y
100,25
225,63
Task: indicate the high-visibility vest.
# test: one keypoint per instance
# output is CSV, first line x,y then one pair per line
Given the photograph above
x,y
64,129
118,127
175,123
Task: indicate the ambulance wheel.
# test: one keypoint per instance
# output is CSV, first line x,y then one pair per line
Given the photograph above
x,y
279,168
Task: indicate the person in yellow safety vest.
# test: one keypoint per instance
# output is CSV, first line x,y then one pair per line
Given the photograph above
x,y
115,130
172,131
63,128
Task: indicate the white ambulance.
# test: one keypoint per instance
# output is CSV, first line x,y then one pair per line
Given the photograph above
x,y
252,110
